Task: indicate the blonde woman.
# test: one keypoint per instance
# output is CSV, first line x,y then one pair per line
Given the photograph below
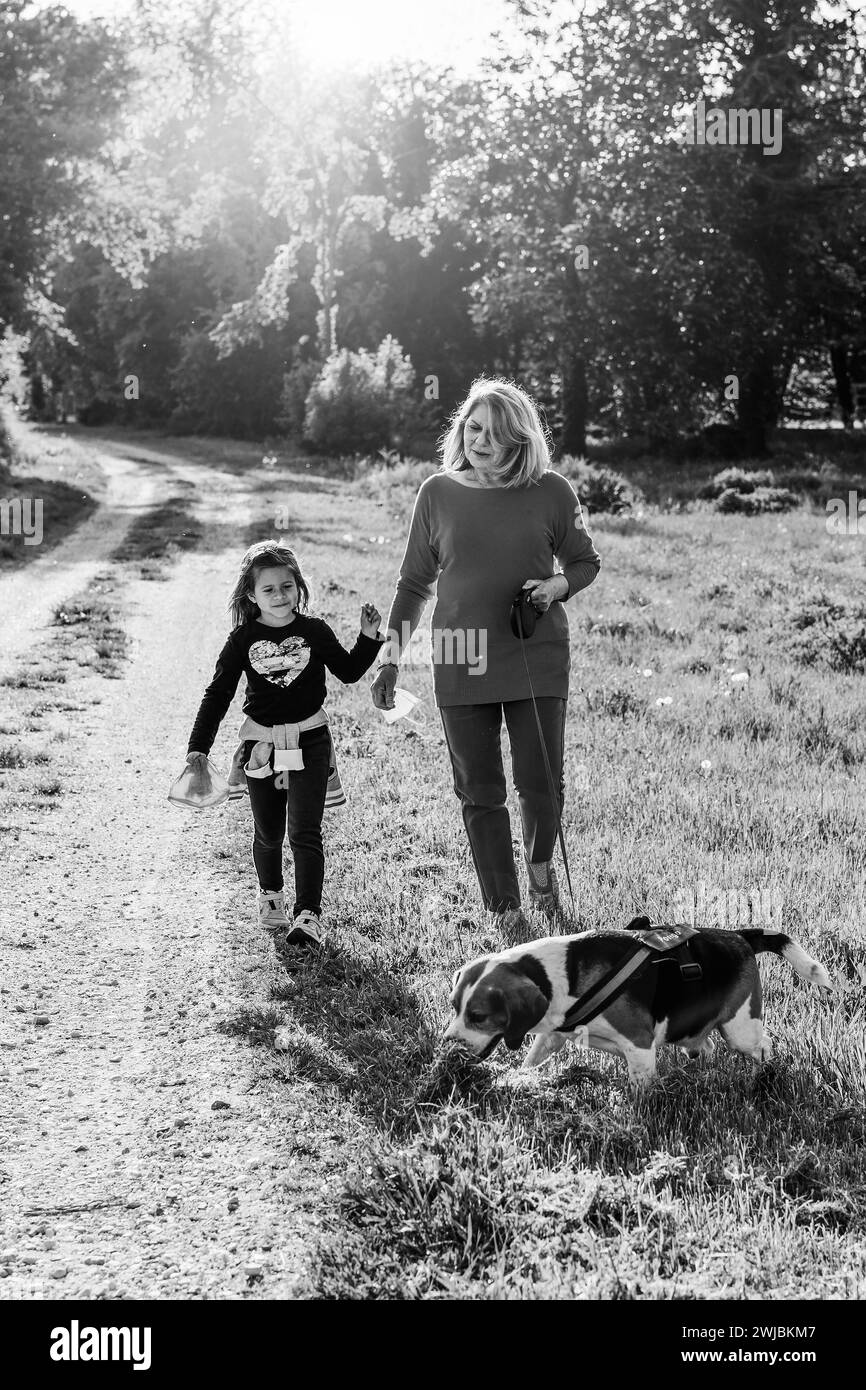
x,y
494,520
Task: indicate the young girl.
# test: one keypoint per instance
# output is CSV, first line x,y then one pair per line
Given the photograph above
x,y
283,654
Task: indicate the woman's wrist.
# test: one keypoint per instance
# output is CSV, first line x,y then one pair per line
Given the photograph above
x,y
563,586
389,652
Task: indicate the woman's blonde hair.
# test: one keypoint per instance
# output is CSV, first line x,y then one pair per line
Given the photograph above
x,y
263,555
516,427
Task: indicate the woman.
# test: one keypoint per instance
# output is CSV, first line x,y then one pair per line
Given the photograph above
x,y
494,516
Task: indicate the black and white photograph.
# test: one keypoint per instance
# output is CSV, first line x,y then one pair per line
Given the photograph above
x,y
433,667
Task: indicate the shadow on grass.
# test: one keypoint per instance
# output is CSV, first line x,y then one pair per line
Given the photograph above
x,y
366,1018
525,1193
160,529
480,1175
64,508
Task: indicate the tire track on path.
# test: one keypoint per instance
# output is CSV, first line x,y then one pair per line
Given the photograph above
x,y
30,595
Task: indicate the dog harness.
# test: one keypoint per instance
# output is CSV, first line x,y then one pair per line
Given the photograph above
x,y
652,946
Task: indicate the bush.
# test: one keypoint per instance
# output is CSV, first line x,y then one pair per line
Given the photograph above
x,y
297,385
830,633
14,385
738,480
601,489
363,401
97,411
760,499
739,490
721,440
235,395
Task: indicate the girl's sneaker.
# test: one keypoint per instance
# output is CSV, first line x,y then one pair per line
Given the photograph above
x,y
306,930
272,911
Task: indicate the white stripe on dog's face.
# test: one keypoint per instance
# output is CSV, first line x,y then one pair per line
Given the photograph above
x,y
496,999
476,1024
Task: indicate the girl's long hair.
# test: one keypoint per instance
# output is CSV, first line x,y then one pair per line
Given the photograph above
x,y
262,556
516,427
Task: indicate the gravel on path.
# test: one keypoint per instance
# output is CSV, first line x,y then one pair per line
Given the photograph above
x,y
143,1153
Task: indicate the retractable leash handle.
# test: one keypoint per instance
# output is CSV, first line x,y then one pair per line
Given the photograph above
x,y
517,618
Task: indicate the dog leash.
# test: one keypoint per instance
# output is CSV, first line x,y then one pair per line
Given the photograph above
x,y
554,796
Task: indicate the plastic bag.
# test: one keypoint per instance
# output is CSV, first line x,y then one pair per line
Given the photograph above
x,y
199,787
404,703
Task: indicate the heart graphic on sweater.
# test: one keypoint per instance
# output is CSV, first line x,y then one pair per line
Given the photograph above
x,y
280,664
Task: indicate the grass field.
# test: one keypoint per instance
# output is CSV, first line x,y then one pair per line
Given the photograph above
x,y
491,1182
49,482
716,742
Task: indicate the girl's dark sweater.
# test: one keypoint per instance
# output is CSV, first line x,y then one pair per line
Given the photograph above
x,y
285,671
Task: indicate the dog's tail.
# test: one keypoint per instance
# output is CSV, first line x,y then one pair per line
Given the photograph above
x,y
799,960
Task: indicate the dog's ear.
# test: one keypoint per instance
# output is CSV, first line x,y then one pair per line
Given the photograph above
x,y
638,924
525,1006
464,977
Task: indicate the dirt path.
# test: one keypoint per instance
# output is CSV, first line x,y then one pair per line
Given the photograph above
x,y
143,1152
30,595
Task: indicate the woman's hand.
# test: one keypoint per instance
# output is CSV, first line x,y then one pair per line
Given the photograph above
x,y
370,619
382,688
196,760
547,591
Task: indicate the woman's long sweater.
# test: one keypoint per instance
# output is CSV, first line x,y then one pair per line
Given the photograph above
x,y
481,544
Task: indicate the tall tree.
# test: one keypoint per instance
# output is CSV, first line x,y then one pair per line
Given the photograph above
x,y
62,84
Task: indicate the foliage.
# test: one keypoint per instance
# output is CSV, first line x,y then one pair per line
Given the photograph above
x,y
748,491
63,84
362,400
212,186
236,395
830,633
760,499
601,489
297,385
737,479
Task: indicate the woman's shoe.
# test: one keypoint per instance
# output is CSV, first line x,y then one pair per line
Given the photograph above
x,y
512,924
543,887
272,910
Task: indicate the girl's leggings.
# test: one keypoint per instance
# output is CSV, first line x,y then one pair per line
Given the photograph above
x,y
302,795
473,735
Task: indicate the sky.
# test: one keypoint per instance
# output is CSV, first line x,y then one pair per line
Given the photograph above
x,y
361,33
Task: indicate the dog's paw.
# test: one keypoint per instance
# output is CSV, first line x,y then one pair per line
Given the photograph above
x,y
543,1048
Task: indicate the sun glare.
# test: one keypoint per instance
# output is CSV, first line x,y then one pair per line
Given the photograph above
x,y
367,33
351,34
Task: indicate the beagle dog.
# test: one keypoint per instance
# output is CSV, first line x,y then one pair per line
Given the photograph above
x,y
531,987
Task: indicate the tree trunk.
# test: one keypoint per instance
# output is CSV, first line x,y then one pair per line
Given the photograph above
x,y
842,377
574,403
758,407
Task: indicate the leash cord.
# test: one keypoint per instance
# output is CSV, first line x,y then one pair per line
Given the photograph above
x,y
554,798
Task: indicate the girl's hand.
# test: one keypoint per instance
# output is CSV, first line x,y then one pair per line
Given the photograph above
x,y
370,619
200,782
547,591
